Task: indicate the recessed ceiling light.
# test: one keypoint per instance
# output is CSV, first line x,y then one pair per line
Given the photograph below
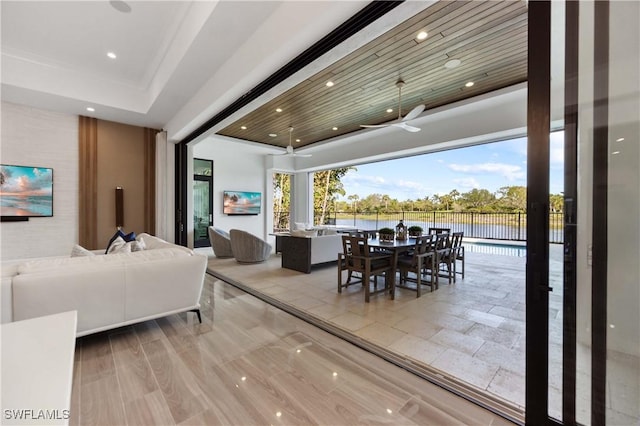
x,y
469,84
297,140
273,135
619,139
335,128
278,109
330,83
389,109
243,127
422,35
111,55
452,63
91,109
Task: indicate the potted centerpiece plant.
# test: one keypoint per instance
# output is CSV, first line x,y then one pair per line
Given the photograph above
x,y
386,234
415,231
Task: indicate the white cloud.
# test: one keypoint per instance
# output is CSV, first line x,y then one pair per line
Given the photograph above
x,y
467,183
378,184
356,179
407,184
509,171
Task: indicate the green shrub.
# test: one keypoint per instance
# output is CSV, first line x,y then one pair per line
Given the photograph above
x,y
415,230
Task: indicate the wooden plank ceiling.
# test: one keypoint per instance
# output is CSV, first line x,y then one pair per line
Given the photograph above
x,y
488,37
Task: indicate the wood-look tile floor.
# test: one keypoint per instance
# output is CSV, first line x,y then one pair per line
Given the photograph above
x,y
248,363
473,330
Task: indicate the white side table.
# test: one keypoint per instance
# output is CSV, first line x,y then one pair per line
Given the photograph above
x,y
37,369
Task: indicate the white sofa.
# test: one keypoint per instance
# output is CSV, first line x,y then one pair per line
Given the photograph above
x,y
113,290
300,253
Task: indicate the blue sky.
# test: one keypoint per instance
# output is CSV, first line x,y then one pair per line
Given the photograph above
x,y
489,166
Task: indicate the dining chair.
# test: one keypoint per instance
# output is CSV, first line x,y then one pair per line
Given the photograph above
x,y
442,257
358,257
439,231
363,233
357,233
418,261
457,253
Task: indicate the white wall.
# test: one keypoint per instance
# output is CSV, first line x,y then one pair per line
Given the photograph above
x,y
34,137
236,167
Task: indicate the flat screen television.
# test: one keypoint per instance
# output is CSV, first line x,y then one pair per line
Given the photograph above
x,y
242,202
26,191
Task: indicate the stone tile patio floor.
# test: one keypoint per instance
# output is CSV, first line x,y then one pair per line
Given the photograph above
x,y
473,329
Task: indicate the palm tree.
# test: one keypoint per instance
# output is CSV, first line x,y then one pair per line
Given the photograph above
x,y
385,200
354,201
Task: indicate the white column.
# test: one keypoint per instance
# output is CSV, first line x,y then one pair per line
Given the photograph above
x,y
302,197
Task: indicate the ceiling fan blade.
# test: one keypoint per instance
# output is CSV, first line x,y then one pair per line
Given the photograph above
x,y
375,125
406,127
414,113
301,155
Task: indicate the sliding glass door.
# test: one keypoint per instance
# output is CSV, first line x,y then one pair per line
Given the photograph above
x,y
586,313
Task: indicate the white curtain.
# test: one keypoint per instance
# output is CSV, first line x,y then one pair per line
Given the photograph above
x,y
165,178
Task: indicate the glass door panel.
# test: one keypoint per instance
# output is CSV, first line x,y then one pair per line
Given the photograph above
x,y
621,152
202,210
202,201
594,358
558,257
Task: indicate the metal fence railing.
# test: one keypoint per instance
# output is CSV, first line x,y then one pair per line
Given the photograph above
x,y
497,226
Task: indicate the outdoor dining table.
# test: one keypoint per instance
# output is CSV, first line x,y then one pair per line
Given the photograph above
x,y
396,247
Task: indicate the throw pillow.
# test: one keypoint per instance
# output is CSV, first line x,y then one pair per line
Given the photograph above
x,y
137,245
78,251
119,245
131,236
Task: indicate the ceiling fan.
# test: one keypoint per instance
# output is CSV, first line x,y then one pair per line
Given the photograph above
x,y
290,152
401,122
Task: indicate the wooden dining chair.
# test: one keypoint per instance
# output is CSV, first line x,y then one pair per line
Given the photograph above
x,y
457,253
436,231
442,258
418,261
367,233
357,257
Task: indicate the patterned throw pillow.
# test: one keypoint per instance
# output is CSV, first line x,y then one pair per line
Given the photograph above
x,y
119,246
131,236
79,251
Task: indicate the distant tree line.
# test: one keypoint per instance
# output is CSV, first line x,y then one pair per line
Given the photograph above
x,y
505,199
328,188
